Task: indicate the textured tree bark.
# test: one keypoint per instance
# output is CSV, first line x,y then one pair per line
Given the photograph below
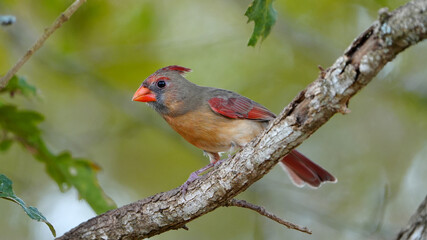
x,y
314,106
417,226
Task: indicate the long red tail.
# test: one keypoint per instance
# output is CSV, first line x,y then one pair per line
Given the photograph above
x,y
303,171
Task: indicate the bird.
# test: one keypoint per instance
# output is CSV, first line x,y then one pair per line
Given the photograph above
x,y
218,120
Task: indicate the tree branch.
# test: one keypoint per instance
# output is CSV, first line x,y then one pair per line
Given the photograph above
x,y
265,213
417,226
314,106
63,17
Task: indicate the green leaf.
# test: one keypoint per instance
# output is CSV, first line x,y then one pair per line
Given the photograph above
x,y
19,85
63,168
81,173
21,123
6,192
264,17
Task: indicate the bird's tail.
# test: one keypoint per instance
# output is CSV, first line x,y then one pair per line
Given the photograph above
x,y
303,171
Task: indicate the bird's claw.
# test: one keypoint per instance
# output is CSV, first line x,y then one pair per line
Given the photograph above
x,y
193,176
220,161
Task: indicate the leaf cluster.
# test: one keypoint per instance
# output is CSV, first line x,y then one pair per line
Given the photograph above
x,y
22,127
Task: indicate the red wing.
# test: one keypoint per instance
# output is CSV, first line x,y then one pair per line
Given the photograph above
x,y
240,107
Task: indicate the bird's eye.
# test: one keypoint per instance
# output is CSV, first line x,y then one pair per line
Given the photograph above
x,y
161,84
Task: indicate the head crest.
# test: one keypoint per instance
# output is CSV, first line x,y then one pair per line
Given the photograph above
x,y
176,68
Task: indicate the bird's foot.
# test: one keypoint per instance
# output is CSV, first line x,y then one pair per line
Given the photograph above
x,y
219,162
195,175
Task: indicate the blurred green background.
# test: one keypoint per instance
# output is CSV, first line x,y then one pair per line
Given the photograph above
x,y
89,69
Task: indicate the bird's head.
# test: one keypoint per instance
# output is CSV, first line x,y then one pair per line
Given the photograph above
x,y
165,89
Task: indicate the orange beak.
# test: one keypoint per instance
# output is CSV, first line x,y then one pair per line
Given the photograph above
x,y
144,94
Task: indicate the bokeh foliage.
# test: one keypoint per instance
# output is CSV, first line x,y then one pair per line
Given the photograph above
x,y
22,127
87,72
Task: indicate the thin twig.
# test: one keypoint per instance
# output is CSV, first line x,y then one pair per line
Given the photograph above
x,y
63,17
265,213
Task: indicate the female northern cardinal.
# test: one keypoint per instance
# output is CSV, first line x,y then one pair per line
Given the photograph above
x,y
217,120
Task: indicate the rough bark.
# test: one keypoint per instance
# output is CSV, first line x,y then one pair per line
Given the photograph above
x,y
314,106
417,226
